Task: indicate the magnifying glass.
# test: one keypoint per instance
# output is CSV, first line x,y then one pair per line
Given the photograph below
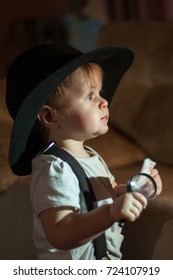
x,y
144,184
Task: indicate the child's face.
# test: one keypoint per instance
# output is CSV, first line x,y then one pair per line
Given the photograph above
x,y
86,115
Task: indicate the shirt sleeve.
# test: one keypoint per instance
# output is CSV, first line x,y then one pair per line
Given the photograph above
x,y
55,185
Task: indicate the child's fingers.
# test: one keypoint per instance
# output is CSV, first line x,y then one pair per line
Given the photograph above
x,y
133,207
157,178
138,203
140,198
128,206
154,172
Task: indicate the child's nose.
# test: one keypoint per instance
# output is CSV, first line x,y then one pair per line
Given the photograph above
x,y
103,103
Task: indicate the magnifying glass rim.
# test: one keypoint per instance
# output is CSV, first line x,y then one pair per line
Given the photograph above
x,y
129,189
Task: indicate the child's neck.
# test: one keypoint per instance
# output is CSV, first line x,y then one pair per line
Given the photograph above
x,y
76,148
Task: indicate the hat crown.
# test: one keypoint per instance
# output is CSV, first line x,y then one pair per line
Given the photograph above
x,y
32,67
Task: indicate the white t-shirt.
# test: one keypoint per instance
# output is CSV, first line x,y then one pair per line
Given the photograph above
x,y
53,184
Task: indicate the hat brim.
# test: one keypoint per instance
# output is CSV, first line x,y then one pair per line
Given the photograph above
x,y
24,145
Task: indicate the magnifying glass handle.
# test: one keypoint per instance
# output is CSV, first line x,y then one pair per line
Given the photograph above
x,y
122,223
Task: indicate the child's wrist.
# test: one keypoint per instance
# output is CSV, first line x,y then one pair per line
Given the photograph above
x,y
121,189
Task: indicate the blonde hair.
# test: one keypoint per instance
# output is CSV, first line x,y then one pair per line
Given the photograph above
x,y
88,70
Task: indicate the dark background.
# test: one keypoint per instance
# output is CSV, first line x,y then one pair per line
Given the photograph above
x,y
24,23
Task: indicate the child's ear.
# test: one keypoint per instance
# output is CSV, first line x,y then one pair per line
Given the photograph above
x,y
48,117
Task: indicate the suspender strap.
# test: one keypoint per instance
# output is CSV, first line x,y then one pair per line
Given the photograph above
x,y
85,186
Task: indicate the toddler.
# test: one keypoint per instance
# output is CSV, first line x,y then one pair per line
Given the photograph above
x,y
58,95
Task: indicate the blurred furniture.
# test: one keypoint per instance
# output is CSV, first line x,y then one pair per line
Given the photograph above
x,y
21,23
142,106
142,109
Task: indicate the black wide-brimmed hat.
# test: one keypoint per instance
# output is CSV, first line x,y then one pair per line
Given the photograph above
x,y
32,78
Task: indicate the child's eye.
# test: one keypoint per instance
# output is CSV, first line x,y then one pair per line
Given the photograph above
x,y
90,96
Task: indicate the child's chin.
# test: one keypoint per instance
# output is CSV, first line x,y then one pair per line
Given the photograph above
x,y
102,132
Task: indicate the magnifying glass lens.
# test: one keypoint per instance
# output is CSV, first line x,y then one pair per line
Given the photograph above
x,y
144,184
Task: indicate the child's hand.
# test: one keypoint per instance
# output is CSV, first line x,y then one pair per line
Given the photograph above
x,y
127,207
155,174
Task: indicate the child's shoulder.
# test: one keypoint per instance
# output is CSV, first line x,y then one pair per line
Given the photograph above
x,y
50,163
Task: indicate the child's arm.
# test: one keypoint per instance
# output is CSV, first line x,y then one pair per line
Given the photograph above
x,y
65,229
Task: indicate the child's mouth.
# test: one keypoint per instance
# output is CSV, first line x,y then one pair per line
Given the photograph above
x,y
105,118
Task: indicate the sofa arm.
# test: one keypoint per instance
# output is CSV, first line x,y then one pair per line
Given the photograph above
x,y
150,237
